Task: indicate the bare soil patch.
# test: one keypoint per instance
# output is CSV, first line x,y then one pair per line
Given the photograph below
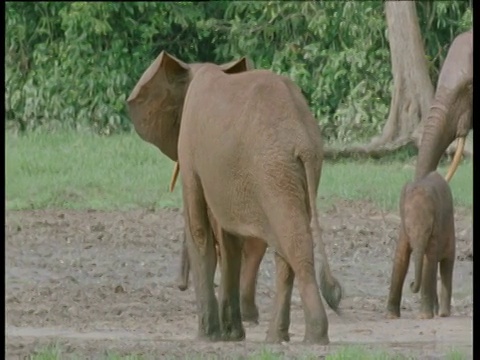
x,y
96,281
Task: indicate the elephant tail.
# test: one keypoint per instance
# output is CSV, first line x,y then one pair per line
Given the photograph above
x,y
329,286
182,280
418,263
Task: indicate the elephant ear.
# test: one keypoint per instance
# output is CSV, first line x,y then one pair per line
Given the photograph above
x,y
237,66
155,104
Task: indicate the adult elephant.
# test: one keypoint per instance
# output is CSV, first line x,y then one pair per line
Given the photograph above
x,y
250,151
450,114
253,251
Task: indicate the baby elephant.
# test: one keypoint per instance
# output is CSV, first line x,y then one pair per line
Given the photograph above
x,y
427,230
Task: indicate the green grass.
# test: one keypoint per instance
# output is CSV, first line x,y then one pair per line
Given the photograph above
x,y
54,352
85,171
81,171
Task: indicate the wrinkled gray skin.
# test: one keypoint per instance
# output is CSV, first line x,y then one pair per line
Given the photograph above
x,y
252,255
249,150
427,232
450,114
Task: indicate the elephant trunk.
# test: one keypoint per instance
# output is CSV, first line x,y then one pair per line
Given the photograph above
x,y
437,135
418,263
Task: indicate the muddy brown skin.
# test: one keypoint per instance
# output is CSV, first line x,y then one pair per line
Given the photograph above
x,y
427,232
450,114
252,255
251,152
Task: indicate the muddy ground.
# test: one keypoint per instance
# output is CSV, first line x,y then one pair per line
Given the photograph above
x,y
97,282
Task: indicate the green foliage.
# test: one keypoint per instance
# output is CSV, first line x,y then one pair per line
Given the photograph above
x,y
51,352
362,353
84,171
354,352
72,64
440,22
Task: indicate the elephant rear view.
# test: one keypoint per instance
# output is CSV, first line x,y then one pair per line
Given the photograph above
x,y
427,232
249,150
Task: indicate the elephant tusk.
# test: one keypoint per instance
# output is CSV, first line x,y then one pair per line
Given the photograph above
x,y
456,158
173,180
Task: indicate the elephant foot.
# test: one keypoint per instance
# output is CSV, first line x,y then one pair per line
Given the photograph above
x,y
316,332
236,334
209,336
392,315
444,313
393,311
209,326
276,337
250,313
231,321
315,339
425,315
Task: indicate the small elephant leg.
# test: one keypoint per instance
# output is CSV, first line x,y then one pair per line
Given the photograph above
x,y
230,315
446,275
253,252
182,280
280,321
429,286
201,253
399,271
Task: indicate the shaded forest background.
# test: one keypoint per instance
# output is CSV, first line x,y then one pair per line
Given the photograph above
x,y
73,64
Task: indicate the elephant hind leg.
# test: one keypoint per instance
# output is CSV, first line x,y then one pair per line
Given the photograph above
x,y
280,321
446,276
230,263
429,286
202,257
295,245
399,272
253,252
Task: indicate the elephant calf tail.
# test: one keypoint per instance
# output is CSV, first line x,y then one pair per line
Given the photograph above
x,y
182,281
329,286
418,263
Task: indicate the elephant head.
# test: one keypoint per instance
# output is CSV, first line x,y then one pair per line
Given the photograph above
x,y
155,104
450,114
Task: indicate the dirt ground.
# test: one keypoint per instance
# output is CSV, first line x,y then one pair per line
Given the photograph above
x,y
97,282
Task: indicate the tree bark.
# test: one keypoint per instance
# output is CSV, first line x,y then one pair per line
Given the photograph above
x,y
413,90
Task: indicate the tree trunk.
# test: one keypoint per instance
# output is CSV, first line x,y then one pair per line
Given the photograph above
x,y
413,90
412,93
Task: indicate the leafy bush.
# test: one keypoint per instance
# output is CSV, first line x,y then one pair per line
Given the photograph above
x,y
72,64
